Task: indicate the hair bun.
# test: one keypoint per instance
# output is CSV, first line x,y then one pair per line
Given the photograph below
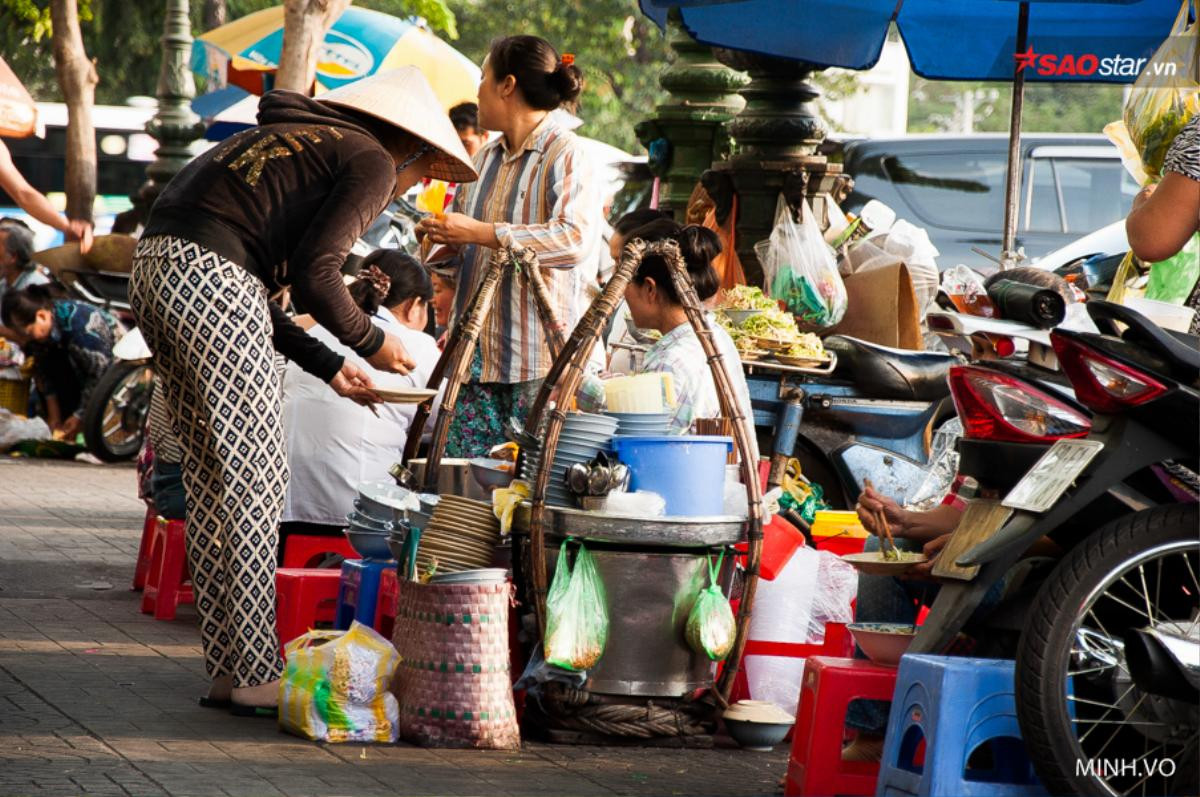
x,y
567,79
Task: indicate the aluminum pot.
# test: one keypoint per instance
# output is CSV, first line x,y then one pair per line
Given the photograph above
x,y
454,478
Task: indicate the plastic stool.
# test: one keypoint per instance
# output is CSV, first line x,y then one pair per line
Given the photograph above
x,y
815,766
144,548
838,644
359,592
956,706
167,581
385,606
307,550
304,597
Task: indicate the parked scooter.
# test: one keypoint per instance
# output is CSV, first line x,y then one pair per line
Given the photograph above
x,y
114,420
1108,663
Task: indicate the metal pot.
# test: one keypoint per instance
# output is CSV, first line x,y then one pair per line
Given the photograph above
x,y
454,478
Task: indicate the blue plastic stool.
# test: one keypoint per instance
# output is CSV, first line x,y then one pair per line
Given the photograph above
x,y
359,591
956,706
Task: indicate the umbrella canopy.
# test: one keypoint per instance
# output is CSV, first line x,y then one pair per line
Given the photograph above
x,y
1086,40
18,114
246,52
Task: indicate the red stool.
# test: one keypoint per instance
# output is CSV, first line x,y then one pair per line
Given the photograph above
x,y
815,765
838,644
167,581
385,605
304,597
143,556
307,550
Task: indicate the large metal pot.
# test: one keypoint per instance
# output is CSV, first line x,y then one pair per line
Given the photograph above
x,y
454,478
649,598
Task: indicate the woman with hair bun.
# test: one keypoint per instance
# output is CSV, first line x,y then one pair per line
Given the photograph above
x,y
654,304
535,192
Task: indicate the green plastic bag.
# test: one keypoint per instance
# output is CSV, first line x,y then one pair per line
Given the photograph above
x,y
711,629
576,613
1172,280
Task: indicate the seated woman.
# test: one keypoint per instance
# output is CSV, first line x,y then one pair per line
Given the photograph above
x,y
655,304
71,343
333,445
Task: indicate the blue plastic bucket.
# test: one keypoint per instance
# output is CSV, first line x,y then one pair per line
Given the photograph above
x,y
686,470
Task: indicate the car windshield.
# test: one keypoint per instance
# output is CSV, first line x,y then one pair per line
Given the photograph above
x,y
960,190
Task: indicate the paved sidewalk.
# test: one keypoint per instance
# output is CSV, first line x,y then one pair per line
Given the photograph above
x,y
97,698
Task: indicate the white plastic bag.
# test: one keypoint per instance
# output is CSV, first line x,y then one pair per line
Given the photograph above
x,y
800,268
15,428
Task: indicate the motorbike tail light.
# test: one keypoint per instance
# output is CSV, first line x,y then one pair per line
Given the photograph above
x,y
996,406
1100,382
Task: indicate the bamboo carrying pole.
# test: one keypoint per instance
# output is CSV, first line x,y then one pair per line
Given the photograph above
x,y
565,376
455,361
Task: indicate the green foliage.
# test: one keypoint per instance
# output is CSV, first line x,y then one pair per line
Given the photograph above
x,y
939,106
620,52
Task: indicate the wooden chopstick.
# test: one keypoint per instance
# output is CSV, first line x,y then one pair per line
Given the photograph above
x,y
881,521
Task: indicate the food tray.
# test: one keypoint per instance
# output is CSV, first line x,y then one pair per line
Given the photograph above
x,y
775,365
676,532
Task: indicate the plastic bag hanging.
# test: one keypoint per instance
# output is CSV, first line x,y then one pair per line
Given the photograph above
x,y
711,628
800,268
576,612
1166,94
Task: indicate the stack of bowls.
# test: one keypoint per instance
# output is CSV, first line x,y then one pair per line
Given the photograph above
x,y
462,535
488,575
642,424
370,536
583,436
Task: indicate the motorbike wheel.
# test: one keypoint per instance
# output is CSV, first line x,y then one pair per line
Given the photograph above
x,y
1089,730
115,418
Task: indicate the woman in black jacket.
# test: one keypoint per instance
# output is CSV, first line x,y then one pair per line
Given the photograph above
x,y
277,206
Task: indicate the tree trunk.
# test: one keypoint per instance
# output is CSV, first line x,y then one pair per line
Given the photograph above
x,y
77,79
305,23
214,14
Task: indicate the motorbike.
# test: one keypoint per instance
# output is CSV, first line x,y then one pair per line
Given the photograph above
x,y
115,418
869,415
1108,635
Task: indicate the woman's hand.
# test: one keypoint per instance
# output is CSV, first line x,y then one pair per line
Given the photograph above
x,y
932,549
870,502
80,230
1140,197
355,384
392,356
70,428
457,229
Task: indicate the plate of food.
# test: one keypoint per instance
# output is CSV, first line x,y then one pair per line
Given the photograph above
x,y
806,351
772,343
884,563
409,395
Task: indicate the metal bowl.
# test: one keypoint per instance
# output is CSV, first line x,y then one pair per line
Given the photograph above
x,y
489,475
367,523
369,544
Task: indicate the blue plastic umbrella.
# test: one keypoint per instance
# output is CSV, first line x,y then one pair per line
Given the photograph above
x,y
945,39
1088,41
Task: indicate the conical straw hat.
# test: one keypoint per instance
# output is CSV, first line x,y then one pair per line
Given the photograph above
x,y
403,98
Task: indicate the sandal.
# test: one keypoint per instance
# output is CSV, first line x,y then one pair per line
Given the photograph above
x,y
215,702
265,712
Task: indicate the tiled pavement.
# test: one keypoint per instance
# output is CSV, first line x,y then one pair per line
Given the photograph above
x,y
97,698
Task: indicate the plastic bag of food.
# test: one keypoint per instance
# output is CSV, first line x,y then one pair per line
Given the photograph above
x,y
1166,94
335,686
576,612
800,268
1173,279
711,629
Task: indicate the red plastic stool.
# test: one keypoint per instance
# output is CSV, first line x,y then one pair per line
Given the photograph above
x,y
144,548
167,581
830,685
385,606
307,550
304,597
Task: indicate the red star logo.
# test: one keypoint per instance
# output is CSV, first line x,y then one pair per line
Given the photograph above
x,y
1025,59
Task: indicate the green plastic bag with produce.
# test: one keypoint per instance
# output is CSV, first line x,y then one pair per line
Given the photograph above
x,y
800,268
711,629
576,612
1173,279
1166,94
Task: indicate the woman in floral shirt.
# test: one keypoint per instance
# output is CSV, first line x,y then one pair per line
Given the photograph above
x,y
71,343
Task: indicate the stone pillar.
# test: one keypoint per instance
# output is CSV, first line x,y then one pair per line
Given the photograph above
x,y
175,125
686,133
775,137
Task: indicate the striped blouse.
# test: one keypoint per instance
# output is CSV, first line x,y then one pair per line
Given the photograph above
x,y
542,197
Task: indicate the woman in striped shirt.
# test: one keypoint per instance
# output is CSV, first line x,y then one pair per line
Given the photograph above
x,y
535,192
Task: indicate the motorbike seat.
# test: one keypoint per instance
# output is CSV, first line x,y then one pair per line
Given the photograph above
x,y
1178,348
889,373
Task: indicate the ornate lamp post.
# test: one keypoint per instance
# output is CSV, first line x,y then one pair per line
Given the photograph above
x,y
686,134
175,125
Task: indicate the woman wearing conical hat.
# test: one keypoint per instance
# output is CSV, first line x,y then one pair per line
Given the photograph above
x,y
276,206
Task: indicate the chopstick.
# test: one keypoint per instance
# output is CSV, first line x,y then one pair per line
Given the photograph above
x,y
881,521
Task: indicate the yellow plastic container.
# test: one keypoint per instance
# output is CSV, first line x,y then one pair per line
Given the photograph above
x,y
830,523
14,395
